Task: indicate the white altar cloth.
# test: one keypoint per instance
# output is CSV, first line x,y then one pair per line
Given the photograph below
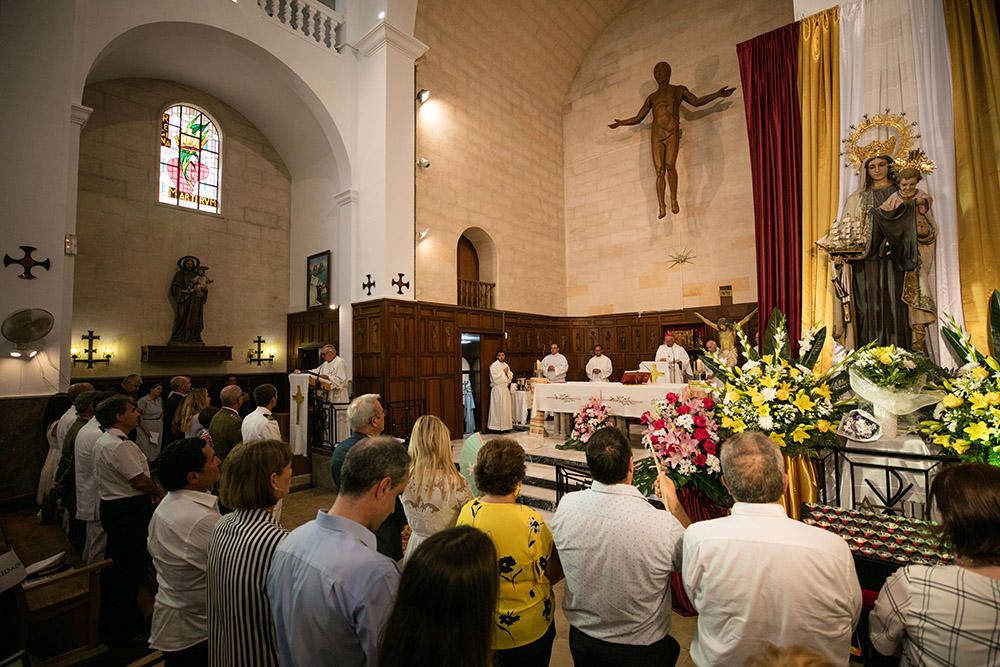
x,y
624,400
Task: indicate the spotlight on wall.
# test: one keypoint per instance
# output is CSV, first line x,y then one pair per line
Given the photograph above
x,y
423,95
381,15
334,306
424,163
422,234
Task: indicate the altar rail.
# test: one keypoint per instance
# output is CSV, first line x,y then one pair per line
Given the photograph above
x,y
313,21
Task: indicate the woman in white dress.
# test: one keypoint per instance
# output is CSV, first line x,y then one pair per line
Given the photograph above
x,y
151,409
54,409
436,491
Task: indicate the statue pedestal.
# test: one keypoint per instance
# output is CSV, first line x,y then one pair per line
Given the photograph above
x,y
192,354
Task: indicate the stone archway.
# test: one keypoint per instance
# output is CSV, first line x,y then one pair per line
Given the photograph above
x,y
481,291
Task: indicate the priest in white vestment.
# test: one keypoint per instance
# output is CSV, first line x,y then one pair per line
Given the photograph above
x,y
333,371
599,367
676,356
554,365
500,405
712,348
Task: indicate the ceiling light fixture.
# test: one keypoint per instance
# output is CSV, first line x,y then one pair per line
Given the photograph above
x,y
423,95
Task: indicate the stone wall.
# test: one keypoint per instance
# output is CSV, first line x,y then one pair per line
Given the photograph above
x,y
498,73
129,244
617,251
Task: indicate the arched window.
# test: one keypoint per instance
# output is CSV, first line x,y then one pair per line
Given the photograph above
x,y
190,159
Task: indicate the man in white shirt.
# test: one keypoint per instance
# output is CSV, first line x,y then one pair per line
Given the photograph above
x,y
758,576
127,492
88,499
68,417
554,365
677,358
179,536
599,367
259,424
501,418
618,614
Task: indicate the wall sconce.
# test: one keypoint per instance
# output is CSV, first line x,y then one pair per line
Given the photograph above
x,y
91,355
423,95
424,163
422,234
259,356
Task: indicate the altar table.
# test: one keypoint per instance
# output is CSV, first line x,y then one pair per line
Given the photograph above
x,y
623,400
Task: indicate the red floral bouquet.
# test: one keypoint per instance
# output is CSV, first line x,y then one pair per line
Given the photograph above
x,y
683,435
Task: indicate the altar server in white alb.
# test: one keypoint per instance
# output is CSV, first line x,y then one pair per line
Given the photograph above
x,y
500,404
599,367
554,365
676,356
333,371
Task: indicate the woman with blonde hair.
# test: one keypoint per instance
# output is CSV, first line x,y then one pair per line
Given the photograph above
x,y
436,491
240,626
186,419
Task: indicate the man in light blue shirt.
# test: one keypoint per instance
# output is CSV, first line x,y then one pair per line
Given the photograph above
x,y
331,592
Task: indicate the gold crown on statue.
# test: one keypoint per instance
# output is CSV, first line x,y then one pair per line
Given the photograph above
x,y
898,144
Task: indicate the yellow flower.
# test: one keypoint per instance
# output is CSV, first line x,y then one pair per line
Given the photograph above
x,y
980,373
824,426
777,438
732,396
801,433
978,401
756,397
822,391
784,391
767,358
754,371
993,398
978,431
944,440
763,410
803,403
960,445
885,358
952,401
736,425
768,381
794,372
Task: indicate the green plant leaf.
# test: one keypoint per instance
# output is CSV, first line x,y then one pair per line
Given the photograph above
x,y
993,319
777,326
810,358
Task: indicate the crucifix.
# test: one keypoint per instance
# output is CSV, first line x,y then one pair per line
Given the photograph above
x,y
91,352
298,397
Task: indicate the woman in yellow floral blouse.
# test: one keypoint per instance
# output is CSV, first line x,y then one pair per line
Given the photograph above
x,y
527,558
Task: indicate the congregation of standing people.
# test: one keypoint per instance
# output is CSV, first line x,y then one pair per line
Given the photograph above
x,y
410,567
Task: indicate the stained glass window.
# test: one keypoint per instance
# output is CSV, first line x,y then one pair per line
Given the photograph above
x,y
190,159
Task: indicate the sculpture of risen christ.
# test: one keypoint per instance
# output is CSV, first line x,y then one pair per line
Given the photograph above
x,y
665,103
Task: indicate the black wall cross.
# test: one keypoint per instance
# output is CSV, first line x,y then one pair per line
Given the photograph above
x,y
27,263
399,284
368,285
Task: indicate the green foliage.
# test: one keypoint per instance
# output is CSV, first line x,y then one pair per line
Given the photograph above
x,y
993,332
775,340
811,356
644,479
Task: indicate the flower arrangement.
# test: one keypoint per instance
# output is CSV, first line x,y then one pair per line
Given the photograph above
x,y
893,367
681,431
967,420
782,397
589,419
860,425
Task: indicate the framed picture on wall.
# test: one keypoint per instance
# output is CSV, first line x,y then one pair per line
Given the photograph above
x,y
318,280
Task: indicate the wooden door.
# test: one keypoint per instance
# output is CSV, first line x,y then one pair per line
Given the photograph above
x,y
468,261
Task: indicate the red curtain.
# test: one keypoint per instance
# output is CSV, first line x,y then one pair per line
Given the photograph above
x,y
769,73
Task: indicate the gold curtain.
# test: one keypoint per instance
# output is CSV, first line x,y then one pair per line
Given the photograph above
x,y
819,93
975,75
803,484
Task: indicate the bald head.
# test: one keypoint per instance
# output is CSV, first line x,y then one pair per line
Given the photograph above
x,y
230,396
76,389
753,468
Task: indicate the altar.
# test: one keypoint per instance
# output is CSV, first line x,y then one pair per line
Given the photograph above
x,y
623,400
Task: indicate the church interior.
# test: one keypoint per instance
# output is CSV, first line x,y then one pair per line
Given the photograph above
x,y
218,189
